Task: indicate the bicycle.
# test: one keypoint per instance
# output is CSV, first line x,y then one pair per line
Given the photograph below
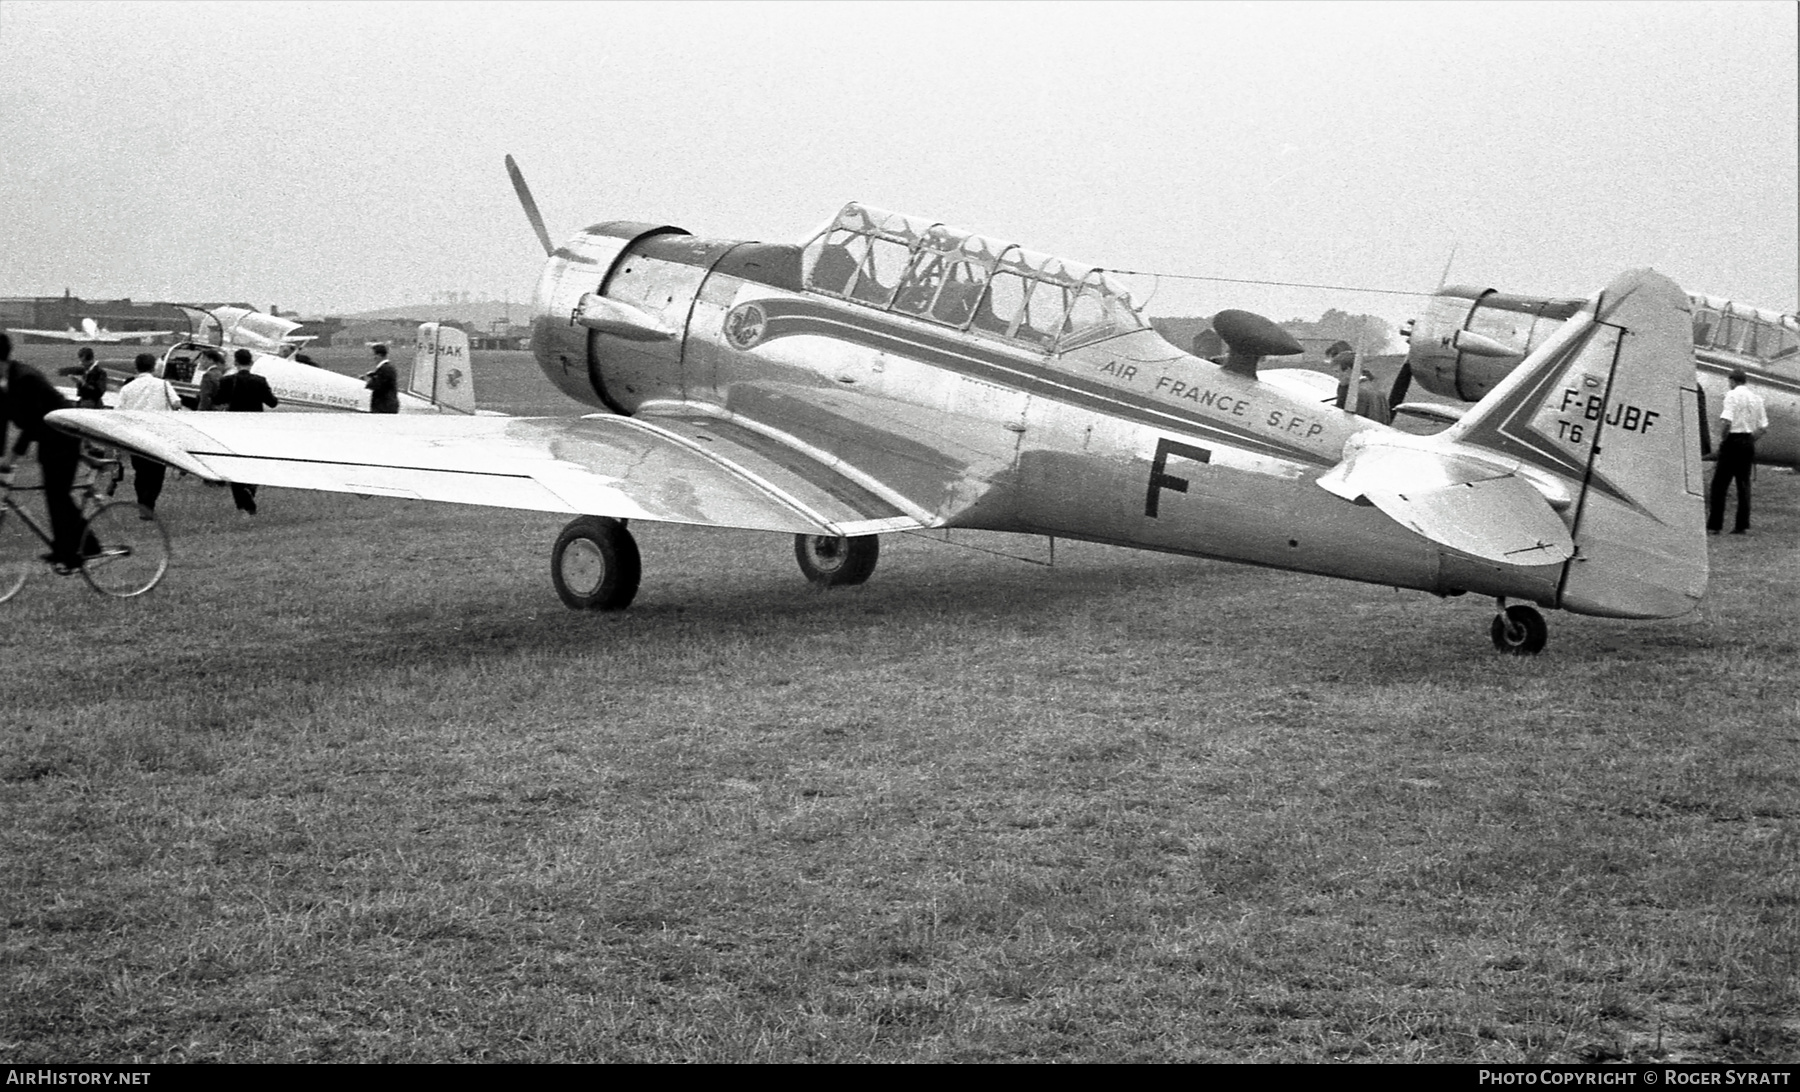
x,y
127,548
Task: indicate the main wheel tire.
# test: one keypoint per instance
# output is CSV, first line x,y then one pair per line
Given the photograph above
x,y
595,565
1520,631
18,553
131,550
837,562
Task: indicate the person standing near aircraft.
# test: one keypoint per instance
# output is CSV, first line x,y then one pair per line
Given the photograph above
x,y
243,391
1368,402
1342,358
26,395
208,394
151,395
90,388
1743,419
383,383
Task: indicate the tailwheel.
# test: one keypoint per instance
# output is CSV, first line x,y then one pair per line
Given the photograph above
x,y
1519,631
831,562
595,564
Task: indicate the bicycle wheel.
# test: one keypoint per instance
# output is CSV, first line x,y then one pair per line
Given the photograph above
x,y
133,550
18,553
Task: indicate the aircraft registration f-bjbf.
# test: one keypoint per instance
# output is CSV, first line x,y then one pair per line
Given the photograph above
x,y
894,374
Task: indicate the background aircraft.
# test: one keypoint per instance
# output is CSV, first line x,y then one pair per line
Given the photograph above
x,y
893,373
92,333
299,385
1469,339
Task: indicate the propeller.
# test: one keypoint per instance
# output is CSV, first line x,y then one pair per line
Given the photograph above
x,y
531,209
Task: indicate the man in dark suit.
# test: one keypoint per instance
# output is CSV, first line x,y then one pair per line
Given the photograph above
x,y
90,387
211,364
243,391
26,396
383,383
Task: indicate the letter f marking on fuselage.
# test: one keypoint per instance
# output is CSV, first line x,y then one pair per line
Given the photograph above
x,y
1160,479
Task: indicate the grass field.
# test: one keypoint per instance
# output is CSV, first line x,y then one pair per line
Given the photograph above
x,y
353,785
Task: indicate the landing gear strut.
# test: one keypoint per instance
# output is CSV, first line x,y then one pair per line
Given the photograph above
x,y
1518,630
836,562
595,564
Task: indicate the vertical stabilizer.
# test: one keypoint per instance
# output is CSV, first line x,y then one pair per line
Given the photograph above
x,y
441,371
1610,405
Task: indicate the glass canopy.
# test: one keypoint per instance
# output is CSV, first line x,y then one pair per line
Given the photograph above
x,y
944,275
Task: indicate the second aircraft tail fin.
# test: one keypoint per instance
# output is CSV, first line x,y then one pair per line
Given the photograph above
x,y
441,368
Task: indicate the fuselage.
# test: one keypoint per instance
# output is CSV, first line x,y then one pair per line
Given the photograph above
x,y
298,386
969,405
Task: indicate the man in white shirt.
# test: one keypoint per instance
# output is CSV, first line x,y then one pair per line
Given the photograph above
x,y
1743,418
148,394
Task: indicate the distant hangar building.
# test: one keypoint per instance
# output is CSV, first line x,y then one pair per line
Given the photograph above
x,y
66,312
399,332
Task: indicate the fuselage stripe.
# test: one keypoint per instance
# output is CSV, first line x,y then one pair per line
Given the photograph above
x,y
789,318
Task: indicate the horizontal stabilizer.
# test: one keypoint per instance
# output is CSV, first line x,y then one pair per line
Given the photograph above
x,y
1468,505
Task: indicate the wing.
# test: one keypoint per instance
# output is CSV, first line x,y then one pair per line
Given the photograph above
x,y
103,337
1431,411
705,471
54,335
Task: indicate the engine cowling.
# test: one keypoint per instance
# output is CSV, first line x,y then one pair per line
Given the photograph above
x,y
580,268
1468,339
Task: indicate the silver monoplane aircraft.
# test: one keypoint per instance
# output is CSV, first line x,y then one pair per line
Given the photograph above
x,y
1469,339
92,333
893,373
275,354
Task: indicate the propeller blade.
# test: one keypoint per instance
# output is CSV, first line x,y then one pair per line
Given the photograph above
x,y
531,209
1445,275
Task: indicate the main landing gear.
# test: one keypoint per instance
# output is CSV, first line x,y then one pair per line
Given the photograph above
x,y
595,564
836,562
1518,630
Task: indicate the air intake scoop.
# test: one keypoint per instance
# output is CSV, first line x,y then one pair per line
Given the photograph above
x,y
1250,338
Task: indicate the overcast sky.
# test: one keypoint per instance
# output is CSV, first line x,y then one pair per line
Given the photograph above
x,y
332,158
